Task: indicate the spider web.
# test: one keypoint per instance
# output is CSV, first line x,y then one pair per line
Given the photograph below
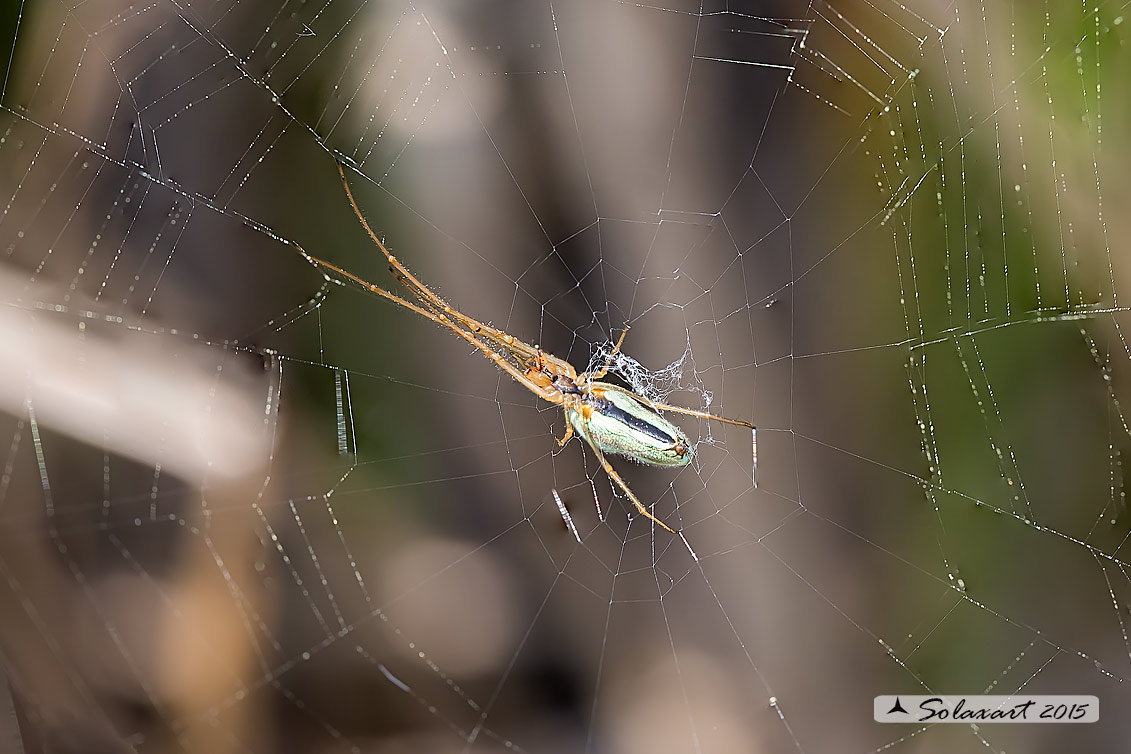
x,y
246,508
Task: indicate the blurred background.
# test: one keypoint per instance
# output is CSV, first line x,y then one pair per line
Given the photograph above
x,y
246,508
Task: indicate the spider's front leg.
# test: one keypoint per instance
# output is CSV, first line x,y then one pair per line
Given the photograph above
x,y
612,357
568,434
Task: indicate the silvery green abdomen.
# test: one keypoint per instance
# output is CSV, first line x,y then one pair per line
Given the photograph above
x,y
622,425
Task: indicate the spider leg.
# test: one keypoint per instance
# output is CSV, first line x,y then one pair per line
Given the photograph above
x,y
418,287
608,467
568,434
371,287
521,350
612,356
524,353
440,319
677,409
700,414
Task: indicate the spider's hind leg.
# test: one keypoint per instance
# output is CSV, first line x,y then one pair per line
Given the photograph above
x,y
700,414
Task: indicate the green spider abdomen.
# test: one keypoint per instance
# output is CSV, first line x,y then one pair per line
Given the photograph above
x,y
620,424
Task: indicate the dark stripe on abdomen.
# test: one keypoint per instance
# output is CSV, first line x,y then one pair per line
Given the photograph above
x,y
606,407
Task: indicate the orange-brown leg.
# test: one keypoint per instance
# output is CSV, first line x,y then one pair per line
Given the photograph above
x,y
612,357
608,467
427,296
701,414
442,319
679,409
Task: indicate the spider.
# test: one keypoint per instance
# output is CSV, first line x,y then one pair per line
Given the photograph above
x,y
610,418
